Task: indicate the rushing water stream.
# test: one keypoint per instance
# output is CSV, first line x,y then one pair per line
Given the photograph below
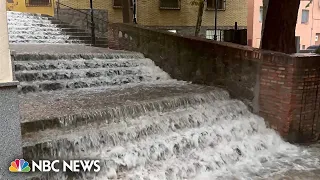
x,y
219,140
161,134
216,139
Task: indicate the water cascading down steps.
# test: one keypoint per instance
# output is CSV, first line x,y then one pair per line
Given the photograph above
x,y
120,108
42,29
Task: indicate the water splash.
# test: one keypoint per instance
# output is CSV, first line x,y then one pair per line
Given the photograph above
x,y
34,28
213,140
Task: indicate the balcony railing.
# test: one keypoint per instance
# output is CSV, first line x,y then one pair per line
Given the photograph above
x,y
170,4
38,3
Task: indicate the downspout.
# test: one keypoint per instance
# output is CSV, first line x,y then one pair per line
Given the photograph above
x,y
135,7
312,23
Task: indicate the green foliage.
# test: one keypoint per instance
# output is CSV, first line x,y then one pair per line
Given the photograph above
x,y
196,2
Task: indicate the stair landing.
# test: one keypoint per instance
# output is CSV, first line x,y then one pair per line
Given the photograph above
x,y
59,49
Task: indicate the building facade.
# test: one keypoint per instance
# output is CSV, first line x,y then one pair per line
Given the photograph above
x,y
307,29
32,6
175,15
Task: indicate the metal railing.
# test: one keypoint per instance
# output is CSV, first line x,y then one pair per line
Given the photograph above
x,y
38,3
89,19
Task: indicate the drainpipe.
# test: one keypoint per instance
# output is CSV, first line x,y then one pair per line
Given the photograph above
x,y
215,19
134,11
312,23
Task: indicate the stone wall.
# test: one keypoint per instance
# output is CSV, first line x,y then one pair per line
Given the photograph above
x,y
82,19
281,88
190,30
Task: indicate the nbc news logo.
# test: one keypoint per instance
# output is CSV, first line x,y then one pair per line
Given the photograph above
x,y
20,165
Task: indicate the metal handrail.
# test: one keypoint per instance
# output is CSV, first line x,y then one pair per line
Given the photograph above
x,y
80,11
91,21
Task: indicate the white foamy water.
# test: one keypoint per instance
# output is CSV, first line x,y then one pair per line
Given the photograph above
x,y
214,140
229,142
35,29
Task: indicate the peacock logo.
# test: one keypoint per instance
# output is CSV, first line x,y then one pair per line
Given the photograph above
x,y
19,165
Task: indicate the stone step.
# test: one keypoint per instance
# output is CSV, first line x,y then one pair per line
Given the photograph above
x,y
40,86
101,45
28,21
69,109
44,41
88,37
72,30
51,75
77,56
88,140
84,38
25,33
68,26
31,28
77,33
79,64
68,40
30,25
27,16
39,36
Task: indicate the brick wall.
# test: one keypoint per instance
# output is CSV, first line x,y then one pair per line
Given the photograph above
x,y
149,14
281,88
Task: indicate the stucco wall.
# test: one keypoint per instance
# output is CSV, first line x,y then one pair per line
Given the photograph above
x,y
20,6
5,63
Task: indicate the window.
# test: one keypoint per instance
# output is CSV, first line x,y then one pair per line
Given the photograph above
x,y
211,4
305,16
172,31
210,34
261,14
38,2
169,4
317,38
118,3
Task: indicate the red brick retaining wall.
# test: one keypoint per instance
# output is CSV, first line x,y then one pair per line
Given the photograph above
x,y
279,87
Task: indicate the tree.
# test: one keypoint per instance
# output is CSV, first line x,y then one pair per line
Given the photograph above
x,y
280,26
200,3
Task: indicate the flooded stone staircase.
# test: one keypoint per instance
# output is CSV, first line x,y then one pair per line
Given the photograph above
x,y
81,102
38,28
120,108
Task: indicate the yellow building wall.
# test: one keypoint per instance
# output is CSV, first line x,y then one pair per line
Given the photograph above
x,y
20,6
149,14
